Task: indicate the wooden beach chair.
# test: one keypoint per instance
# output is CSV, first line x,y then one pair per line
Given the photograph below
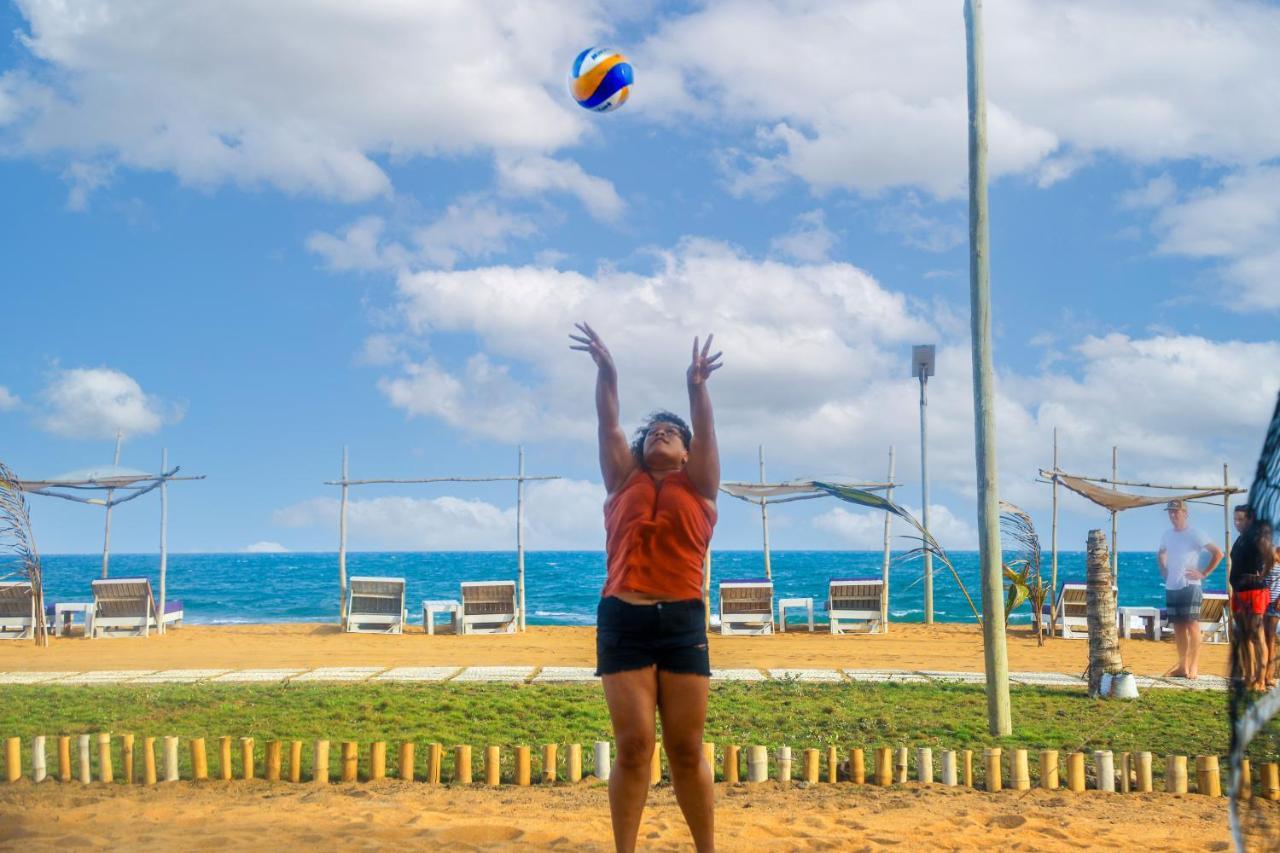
x,y
1073,611
1215,618
746,606
489,607
17,610
125,607
854,600
375,606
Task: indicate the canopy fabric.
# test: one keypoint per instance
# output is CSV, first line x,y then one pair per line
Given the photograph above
x,y
120,484
1117,501
795,490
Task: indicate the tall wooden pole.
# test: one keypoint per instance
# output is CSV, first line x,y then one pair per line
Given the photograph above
x,y
106,531
924,494
884,563
1226,523
1115,551
995,651
164,535
764,520
520,534
342,545
1053,538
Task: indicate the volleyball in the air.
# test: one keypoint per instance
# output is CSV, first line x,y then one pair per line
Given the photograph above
x,y
600,79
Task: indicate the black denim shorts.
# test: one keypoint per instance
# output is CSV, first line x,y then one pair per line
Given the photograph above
x,y
670,634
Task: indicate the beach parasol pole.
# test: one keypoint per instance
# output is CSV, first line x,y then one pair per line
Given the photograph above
x,y
764,519
1226,522
106,532
1053,538
1115,552
520,534
342,545
884,564
164,533
995,650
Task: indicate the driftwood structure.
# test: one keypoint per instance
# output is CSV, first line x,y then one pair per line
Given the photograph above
x,y
1104,642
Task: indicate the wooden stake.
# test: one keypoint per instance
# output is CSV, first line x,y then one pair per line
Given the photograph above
x,y
462,764
1144,772
1245,791
148,761
13,759
757,764
812,766
273,760
709,756
655,765
199,760
320,763
492,769
991,760
549,764
435,764
39,770
1049,769
603,763
1075,772
966,757
170,758
731,764
833,765
1175,774
224,758
295,761
900,772
1208,780
246,758
1270,774
350,763
857,766
64,758
573,768
522,765
884,766
1020,771
377,761
86,774
924,765
949,767
406,761
784,765
1105,767
1126,772
126,757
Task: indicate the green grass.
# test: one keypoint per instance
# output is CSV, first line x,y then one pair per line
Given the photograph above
x,y
773,713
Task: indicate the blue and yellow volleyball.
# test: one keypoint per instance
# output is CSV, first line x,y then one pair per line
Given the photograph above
x,y
601,79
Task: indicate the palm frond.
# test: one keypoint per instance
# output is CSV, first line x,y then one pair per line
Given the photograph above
x,y
19,541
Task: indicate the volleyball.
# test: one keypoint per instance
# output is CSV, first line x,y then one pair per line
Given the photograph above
x,y
600,79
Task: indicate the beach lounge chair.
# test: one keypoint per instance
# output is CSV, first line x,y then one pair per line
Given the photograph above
x,y
746,606
1215,615
854,600
489,607
1073,611
125,607
375,606
17,610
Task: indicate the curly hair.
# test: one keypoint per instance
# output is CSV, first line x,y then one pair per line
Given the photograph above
x,y
662,416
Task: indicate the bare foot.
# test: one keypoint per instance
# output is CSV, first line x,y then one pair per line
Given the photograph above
x,y
1192,676
1176,672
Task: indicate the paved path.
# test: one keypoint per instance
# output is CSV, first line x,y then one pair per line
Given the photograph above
x,y
556,675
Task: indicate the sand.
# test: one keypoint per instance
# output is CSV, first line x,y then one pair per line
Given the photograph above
x,y
245,815
945,647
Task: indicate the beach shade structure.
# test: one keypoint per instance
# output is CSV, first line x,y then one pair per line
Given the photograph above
x,y
375,606
1214,615
746,606
110,485
17,610
125,607
489,607
855,600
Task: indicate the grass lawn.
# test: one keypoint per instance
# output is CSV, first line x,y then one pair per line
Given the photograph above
x,y
773,713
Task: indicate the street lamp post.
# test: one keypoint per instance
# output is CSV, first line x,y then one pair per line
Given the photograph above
x,y
922,367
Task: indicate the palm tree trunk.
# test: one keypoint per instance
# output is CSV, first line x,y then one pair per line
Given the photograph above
x,y
1104,641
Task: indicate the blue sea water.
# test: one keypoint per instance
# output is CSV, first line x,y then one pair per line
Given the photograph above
x,y
563,587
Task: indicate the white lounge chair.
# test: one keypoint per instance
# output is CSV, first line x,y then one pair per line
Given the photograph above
x,y
1215,618
746,606
375,606
489,607
1073,611
125,607
854,600
17,610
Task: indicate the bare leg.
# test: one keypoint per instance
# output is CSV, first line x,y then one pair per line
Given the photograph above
x,y
1180,642
1193,649
1258,653
682,703
632,697
1269,642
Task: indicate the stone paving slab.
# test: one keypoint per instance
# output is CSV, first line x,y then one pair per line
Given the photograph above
x,y
340,673
955,677
507,674
893,676
558,674
736,675
179,676
33,677
259,675
811,675
106,676
419,673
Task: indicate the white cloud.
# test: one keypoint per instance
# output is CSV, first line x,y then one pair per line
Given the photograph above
x,y
1155,193
98,402
8,400
266,548
811,240
917,229
360,247
536,174
84,179
863,530
470,228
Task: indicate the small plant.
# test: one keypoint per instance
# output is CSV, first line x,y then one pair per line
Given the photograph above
x,y
17,539
1026,583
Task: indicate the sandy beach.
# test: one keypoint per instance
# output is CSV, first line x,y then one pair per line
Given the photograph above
x,y
947,647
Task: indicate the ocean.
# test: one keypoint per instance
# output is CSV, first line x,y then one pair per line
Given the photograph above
x,y
562,587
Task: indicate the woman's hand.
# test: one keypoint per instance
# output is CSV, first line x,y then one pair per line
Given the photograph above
x,y
592,344
702,365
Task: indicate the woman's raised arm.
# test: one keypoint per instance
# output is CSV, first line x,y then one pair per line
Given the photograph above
x,y
703,466
616,460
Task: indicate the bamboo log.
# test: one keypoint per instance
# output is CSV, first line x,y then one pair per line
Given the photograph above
x,y
1075,772
1245,791
86,774
924,765
757,764
949,767
1175,774
655,767
105,774
603,763
1144,772
246,759
549,764
900,771
405,765
295,761
966,757
377,761
1105,767
1020,771
199,760
731,764
224,758
170,758
13,759
64,758
857,766
126,758
492,768
1126,772
462,764
320,763
812,766
522,765
709,756
1049,769
435,764
39,770
350,761
273,760
884,766
833,765
784,765
991,762
573,768
1208,780
148,761
1270,774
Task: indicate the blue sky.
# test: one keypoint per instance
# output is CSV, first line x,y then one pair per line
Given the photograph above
x,y
255,238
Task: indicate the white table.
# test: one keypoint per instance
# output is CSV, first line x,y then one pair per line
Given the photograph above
x,y
784,603
1149,615
450,606
64,615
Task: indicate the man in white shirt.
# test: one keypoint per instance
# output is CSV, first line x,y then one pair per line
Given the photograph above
x,y
1179,558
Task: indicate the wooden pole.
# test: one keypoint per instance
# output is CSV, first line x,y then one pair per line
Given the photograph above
x,y
548,764
995,650
224,758
757,764
164,536
991,760
924,765
273,760
1126,772
900,773
884,766
574,762
1270,780
1020,771
1049,769
1226,525
1104,643
784,765
709,756
126,758
706,587
199,760
884,562
320,763
13,759
350,761
1115,552
246,758
520,534
39,769
603,763
924,495
655,766
966,756
949,767
1053,536
406,761
342,545
492,766
1075,772
1144,772
731,763
462,764
377,761
170,758
812,766
295,761
833,765
1208,779
764,520
148,761
86,774
1105,767
1244,790
106,531
435,763
64,758
1175,774
857,766
522,765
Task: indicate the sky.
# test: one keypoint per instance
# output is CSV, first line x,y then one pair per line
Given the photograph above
x,y
254,234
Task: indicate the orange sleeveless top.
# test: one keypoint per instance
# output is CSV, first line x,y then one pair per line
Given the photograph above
x,y
656,535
